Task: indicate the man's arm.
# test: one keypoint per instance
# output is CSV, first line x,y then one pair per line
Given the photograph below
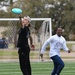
x,y
50,40
65,47
43,49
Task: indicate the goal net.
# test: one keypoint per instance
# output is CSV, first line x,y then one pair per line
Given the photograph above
x,y
41,30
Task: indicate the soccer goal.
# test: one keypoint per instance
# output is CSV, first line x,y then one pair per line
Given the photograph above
x,y
41,30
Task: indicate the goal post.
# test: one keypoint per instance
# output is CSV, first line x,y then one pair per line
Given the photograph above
x,y
8,27
33,19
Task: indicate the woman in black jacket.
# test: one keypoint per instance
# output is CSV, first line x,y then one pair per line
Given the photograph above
x,y
24,49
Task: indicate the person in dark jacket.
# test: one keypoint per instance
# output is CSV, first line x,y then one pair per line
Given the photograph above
x,y
24,48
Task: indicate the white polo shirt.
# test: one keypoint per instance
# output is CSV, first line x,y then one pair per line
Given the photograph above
x,y
56,43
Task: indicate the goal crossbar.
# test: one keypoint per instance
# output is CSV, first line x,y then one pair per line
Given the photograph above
x,y
14,19
33,19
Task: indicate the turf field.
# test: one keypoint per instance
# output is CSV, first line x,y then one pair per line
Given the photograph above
x,y
38,68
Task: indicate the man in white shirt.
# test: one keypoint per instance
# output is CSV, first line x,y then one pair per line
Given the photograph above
x,y
56,42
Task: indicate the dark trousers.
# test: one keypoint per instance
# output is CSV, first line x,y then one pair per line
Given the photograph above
x,y
24,62
58,65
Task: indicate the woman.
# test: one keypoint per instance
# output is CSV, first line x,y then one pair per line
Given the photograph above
x,y
24,49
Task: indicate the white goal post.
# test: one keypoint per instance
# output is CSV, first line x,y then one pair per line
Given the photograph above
x,y
9,28
33,19
40,35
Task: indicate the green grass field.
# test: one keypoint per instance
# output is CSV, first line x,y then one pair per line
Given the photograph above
x,y
38,68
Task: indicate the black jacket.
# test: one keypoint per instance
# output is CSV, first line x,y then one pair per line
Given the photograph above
x,y
24,33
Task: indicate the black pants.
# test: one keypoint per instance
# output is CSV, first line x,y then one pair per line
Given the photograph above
x,y
24,62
